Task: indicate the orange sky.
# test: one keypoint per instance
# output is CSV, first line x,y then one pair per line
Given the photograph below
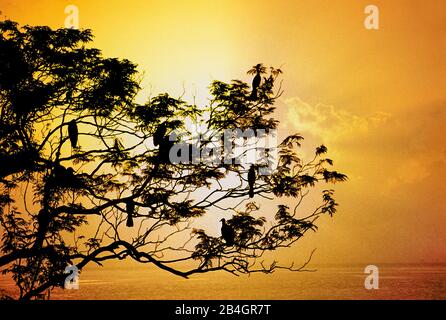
x,y
375,98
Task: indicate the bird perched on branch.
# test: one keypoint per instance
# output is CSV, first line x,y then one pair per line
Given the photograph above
x,y
164,150
117,153
251,180
255,84
73,133
117,145
130,208
65,178
159,135
43,220
256,70
162,140
227,233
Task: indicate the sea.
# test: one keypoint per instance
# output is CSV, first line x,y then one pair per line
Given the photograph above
x,y
326,282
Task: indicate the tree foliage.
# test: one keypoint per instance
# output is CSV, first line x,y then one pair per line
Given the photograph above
x,y
49,191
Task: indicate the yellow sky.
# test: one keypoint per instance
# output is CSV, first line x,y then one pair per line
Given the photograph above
x,y
376,98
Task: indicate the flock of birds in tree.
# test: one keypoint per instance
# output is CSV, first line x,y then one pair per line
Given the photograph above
x,y
227,231
161,140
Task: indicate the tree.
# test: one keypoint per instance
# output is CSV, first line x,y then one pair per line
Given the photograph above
x,y
138,204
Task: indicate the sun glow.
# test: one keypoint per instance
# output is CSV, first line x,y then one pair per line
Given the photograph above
x,y
374,96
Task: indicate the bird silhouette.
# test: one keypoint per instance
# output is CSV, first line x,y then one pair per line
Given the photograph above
x,y
159,135
256,70
164,150
65,178
117,152
251,180
227,233
73,133
117,145
130,208
43,220
255,84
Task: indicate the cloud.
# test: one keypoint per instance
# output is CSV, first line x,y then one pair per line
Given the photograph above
x,y
387,150
329,122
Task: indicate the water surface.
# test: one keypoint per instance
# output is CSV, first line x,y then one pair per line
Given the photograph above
x,y
397,281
